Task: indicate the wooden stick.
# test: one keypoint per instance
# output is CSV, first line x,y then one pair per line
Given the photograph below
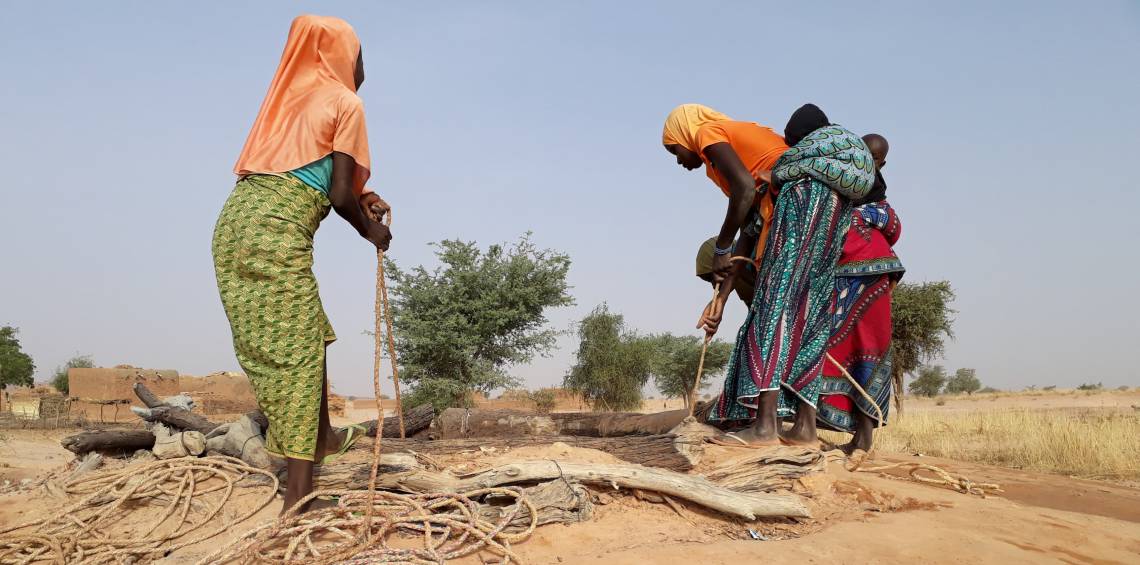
x,y
701,364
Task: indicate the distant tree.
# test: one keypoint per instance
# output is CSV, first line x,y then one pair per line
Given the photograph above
x,y
1050,387
1091,386
675,360
459,326
612,364
929,382
922,320
544,400
60,380
16,367
988,390
964,380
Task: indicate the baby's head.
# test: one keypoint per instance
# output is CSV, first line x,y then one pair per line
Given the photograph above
x,y
879,147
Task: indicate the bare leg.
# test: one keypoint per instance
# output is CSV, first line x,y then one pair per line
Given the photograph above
x,y
864,432
329,439
298,482
803,431
299,472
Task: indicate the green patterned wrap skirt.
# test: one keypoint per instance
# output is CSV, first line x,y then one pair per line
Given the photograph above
x,y
263,259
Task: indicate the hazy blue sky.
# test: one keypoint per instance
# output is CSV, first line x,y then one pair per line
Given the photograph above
x,y
1012,128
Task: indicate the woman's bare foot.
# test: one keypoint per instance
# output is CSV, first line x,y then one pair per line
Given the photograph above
x,y
748,437
803,432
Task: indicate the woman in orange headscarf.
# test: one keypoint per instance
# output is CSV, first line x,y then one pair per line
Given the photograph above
x,y
306,153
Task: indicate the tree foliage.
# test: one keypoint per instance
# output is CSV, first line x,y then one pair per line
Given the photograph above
x,y
60,381
16,367
964,380
922,320
675,360
612,365
930,381
461,324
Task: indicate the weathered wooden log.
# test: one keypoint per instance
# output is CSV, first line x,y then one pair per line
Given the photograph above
x,y
174,416
415,420
457,423
107,440
179,418
769,469
556,502
147,397
694,488
662,451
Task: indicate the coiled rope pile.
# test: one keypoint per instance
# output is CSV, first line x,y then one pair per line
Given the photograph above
x,y
188,494
358,527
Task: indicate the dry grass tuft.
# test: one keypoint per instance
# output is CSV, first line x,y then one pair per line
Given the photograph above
x,y
1096,443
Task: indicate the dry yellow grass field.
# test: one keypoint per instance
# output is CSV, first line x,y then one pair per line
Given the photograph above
x,y
1078,433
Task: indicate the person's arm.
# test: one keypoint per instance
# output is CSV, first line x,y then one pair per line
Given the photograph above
x,y
741,194
348,206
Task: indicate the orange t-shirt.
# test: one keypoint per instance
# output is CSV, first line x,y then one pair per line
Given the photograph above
x,y
758,148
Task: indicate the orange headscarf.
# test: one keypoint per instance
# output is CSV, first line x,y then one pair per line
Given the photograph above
x,y
682,123
312,108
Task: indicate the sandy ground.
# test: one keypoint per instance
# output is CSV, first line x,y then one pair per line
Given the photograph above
x,y
859,518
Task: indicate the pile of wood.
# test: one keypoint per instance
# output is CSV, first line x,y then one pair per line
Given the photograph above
x,y
658,456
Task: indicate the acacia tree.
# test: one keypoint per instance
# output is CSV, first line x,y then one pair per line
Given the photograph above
x,y
675,360
60,379
612,365
929,382
922,320
964,380
459,326
16,367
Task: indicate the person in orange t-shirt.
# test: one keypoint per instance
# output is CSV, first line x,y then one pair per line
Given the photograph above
x,y
738,158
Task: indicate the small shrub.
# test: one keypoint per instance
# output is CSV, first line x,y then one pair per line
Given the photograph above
x,y
1122,388
59,380
989,390
941,402
1091,386
1050,387
544,400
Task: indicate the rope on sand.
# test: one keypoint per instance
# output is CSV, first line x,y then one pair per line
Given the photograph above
x,y
357,528
91,530
941,478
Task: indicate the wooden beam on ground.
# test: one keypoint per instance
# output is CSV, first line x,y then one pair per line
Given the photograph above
x,y
457,423
664,451
108,440
415,420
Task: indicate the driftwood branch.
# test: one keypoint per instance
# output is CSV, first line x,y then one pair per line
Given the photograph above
x,y
107,440
665,451
694,488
